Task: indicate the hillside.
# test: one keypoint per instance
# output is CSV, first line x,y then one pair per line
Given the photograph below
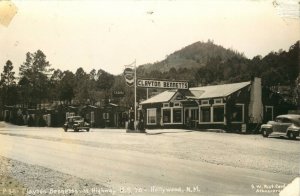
x,y
193,56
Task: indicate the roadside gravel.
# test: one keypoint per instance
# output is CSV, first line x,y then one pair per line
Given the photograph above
x,y
17,178
276,155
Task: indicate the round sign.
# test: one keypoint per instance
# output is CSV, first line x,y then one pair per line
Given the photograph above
x,y
129,76
129,73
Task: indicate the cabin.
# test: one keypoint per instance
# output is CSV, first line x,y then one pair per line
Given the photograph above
x,y
92,114
114,115
109,115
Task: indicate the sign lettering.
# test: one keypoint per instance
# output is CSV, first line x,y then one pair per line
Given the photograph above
x,y
162,84
119,93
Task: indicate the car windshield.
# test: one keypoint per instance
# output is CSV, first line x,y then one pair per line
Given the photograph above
x,y
297,122
77,118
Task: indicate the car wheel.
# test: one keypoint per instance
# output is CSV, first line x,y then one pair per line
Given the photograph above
x,y
66,129
291,135
87,130
265,133
75,129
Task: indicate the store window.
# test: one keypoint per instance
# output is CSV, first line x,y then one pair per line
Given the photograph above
x,y
205,114
218,101
177,115
165,105
218,113
204,102
177,104
166,115
151,116
237,113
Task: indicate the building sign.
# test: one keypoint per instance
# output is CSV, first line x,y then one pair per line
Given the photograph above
x,y
129,76
119,93
162,84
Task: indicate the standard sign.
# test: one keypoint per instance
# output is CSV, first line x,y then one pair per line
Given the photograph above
x,y
129,76
161,84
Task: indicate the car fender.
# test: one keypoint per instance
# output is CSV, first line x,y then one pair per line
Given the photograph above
x,y
266,126
293,128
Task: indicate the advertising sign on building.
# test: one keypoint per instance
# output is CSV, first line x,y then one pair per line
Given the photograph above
x,y
162,84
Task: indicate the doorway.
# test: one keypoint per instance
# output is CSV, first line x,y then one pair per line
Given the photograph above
x,y
191,117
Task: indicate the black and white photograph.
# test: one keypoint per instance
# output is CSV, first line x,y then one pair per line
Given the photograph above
x,y
150,97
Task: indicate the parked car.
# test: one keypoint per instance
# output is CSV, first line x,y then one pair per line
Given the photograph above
x,y
283,125
76,123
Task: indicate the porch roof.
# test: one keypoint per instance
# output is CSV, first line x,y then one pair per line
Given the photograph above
x,y
162,97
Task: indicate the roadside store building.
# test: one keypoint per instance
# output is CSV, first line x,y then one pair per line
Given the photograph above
x,y
235,107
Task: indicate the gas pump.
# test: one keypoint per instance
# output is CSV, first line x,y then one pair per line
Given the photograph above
x,y
130,127
141,124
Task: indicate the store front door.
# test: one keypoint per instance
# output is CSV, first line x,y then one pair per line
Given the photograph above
x,y
191,117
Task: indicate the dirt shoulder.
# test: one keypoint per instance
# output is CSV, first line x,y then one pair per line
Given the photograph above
x,y
17,178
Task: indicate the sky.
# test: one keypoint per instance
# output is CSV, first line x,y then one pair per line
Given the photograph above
x,y
110,34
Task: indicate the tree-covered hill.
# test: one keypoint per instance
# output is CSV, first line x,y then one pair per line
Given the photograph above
x,y
193,56
206,63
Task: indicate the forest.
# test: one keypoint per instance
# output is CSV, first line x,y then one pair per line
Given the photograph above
x,y
201,63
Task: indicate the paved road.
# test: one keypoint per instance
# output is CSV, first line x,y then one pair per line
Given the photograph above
x,y
192,163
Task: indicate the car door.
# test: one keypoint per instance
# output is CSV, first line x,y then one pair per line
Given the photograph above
x,y
276,125
70,122
285,124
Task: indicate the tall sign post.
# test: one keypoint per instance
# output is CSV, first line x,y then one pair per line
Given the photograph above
x,y
130,77
135,91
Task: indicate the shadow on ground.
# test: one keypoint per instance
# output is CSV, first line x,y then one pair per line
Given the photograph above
x,y
163,132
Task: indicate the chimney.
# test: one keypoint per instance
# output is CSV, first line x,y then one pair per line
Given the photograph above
x,y
255,105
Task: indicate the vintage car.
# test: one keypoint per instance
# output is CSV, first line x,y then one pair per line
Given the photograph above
x,y
283,125
76,123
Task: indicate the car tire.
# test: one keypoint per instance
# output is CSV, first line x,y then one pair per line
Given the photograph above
x,y
265,133
66,129
87,130
291,135
75,129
